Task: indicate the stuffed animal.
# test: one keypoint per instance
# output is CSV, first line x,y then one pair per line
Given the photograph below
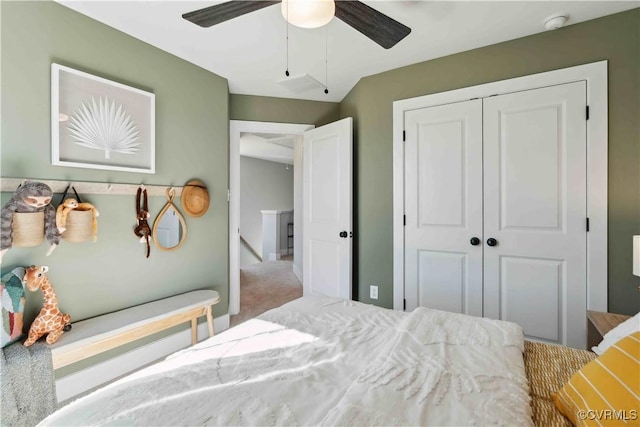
x,y
95,214
62,212
142,230
29,197
50,320
70,204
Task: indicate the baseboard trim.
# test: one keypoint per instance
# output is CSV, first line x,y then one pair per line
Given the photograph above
x,y
297,273
81,381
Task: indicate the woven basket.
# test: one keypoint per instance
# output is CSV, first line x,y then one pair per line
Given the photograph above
x,y
79,226
28,229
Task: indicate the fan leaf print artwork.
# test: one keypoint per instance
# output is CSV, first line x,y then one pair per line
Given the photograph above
x,y
104,125
98,123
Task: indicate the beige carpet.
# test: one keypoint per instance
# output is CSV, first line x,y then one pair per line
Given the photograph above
x,y
265,286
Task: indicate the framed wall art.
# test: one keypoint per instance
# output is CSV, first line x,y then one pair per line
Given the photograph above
x,y
100,124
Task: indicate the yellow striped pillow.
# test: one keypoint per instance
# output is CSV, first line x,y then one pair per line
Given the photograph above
x,y
606,391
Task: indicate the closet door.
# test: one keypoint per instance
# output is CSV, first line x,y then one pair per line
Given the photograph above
x,y
535,210
443,207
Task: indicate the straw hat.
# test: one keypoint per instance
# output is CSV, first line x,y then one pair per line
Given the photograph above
x,y
195,198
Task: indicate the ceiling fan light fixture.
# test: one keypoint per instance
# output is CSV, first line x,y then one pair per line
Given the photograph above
x,y
308,13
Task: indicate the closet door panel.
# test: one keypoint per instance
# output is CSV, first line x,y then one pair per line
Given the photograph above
x,y
535,209
530,168
443,207
531,294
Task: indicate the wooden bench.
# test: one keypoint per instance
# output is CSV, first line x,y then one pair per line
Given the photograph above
x,y
98,334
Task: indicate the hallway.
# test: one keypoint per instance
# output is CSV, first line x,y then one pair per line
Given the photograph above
x,y
264,286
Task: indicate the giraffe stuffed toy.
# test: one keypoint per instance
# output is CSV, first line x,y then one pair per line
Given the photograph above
x,y
50,319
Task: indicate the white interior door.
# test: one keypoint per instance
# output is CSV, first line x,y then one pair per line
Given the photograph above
x,y
443,208
327,223
535,208
510,170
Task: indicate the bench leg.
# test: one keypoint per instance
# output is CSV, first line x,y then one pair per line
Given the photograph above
x,y
194,331
210,320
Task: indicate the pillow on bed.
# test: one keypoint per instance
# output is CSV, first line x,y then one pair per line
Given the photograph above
x,y
12,298
625,328
604,391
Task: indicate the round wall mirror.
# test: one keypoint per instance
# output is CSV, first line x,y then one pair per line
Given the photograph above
x,y
169,228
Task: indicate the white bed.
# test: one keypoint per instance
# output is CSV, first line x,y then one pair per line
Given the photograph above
x,y
324,361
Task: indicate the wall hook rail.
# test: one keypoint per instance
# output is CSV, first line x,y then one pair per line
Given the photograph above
x,y
9,185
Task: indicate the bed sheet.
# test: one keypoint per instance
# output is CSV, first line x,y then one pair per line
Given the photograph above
x,y
325,361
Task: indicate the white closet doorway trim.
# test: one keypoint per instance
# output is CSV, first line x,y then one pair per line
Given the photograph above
x,y
595,76
236,128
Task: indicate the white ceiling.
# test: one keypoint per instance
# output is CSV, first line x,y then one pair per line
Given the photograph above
x,y
266,146
250,51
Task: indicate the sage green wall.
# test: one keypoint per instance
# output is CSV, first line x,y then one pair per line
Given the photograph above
x,y
191,142
282,110
615,38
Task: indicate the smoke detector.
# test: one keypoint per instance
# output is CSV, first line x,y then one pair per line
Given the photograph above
x,y
556,21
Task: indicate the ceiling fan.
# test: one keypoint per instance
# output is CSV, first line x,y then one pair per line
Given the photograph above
x,y
380,28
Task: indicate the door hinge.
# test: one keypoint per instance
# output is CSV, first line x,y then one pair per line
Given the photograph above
x,y
587,113
404,220
228,195
587,224
404,135
404,304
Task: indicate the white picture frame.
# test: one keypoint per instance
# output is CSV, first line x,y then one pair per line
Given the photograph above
x,y
100,124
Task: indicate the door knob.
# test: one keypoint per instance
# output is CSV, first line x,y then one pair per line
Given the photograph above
x,y
492,242
474,241
344,234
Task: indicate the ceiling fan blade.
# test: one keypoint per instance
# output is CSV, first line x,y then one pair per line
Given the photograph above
x,y
218,13
377,26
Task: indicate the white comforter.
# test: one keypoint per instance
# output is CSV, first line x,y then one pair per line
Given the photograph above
x,y
323,361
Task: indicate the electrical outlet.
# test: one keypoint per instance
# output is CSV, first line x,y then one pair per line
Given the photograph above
x,y
373,292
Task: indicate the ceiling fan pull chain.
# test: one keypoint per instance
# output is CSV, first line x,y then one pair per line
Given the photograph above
x,y
286,72
326,56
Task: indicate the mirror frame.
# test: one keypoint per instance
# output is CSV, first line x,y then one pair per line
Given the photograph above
x,y
170,195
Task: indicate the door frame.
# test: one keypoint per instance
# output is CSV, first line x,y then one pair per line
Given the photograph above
x,y
595,75
236,128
